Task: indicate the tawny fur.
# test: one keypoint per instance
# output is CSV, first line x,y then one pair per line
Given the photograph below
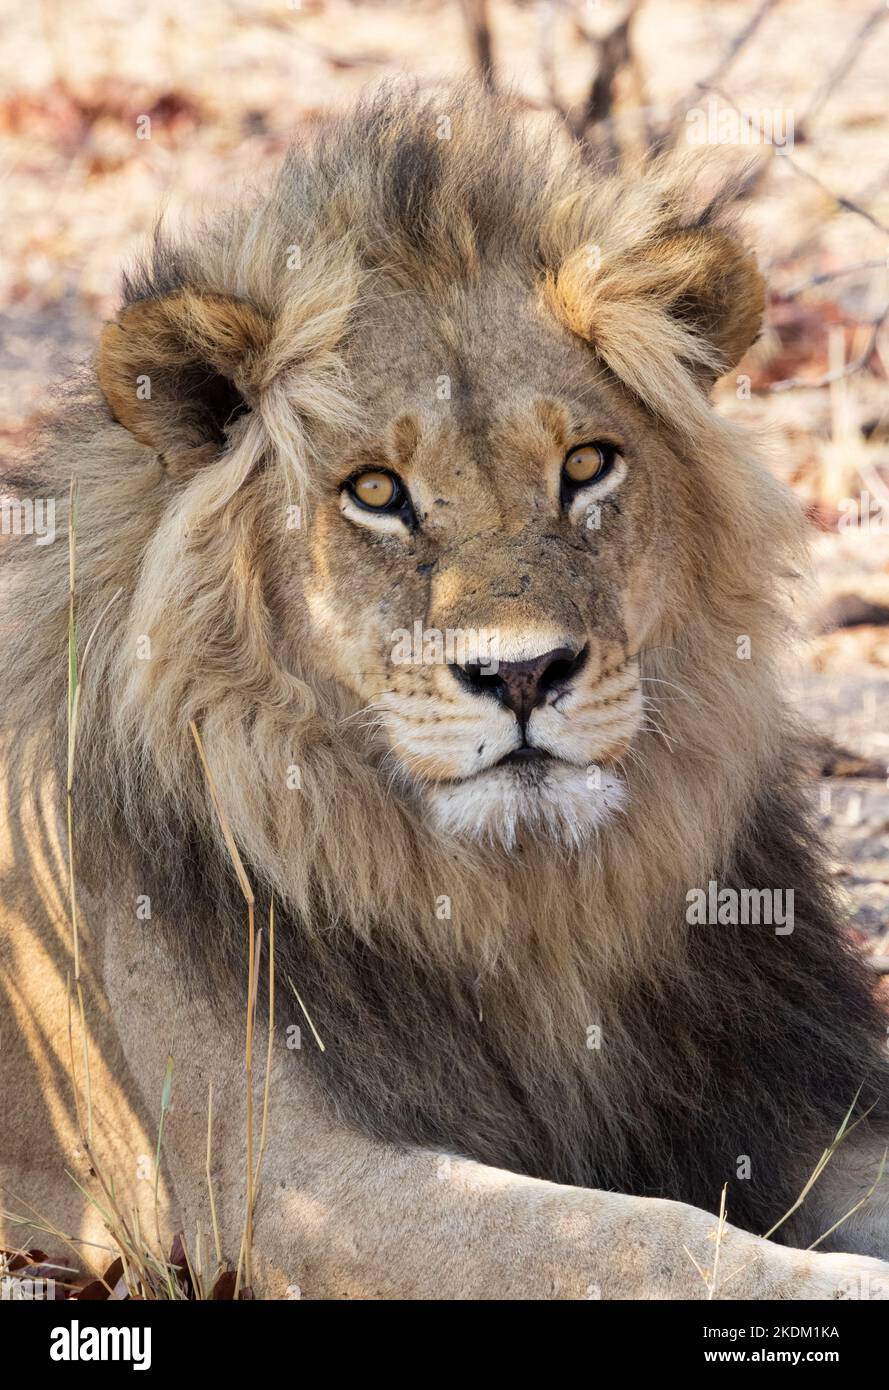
x,y
469,1032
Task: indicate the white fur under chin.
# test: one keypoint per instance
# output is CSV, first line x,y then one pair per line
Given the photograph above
x,y
556,803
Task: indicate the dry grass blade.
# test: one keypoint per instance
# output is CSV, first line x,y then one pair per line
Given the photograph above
x,y
39,1223
720,1231
263,1133
247,891
306,1014
71,1063
858,1205
710,1277
703,1272
842,1133
134,1252
166,1097
118,1228
71,721
209,1172
195,1281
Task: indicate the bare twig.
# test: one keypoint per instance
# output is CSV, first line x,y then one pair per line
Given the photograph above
x,y
475,13
841,68
839,199
826,276
875,184
858,364
614,55
740,40
545,57
340,60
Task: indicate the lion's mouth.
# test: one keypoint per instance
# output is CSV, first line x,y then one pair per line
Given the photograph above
x,y
528,791
525,754
528,766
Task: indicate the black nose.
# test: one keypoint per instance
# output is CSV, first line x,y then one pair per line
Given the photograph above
x,y
523,685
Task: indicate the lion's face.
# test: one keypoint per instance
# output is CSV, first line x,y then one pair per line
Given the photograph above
x,y
480,569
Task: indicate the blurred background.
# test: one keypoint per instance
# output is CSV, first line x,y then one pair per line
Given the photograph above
x,y
110,114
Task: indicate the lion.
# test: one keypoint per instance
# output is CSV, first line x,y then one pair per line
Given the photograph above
x,y
401,486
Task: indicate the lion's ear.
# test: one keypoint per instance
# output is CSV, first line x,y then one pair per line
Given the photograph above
x,y
702,280
176,371
712,285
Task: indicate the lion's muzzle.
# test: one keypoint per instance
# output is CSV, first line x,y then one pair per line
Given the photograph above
x,y
521,686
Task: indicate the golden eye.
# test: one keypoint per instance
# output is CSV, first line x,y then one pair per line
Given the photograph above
x,y
376,490
588,462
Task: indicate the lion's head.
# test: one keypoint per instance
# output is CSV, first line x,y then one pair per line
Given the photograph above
x,y
410,480
479,372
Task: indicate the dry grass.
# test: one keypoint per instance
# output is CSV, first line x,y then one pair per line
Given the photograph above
x,y
140,1268
716,1285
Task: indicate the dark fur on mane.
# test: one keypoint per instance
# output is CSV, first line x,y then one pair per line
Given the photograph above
x,y
758,1050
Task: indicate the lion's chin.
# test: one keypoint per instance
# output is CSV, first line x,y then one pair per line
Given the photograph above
x,y
557,803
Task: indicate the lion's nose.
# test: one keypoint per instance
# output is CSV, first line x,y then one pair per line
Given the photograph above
x,y
523,685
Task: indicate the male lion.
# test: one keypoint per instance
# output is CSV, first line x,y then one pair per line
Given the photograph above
x,y
419,510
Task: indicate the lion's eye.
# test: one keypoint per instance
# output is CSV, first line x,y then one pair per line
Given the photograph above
x,y
380,492
588,463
